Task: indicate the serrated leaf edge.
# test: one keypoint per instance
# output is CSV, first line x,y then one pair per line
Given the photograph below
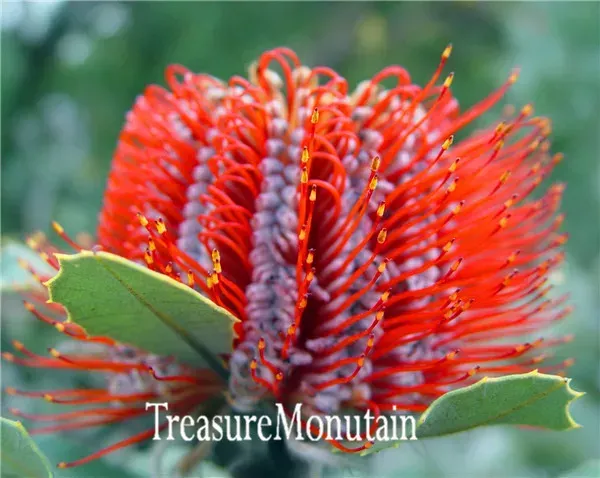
x,y
66,258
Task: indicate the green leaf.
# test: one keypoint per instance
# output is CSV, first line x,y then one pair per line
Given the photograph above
x,y
532,399
20,456
111,296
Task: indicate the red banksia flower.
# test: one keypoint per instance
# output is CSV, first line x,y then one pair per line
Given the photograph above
x,y
373,261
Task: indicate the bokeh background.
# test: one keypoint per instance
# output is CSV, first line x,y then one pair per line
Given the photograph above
x,y
70,71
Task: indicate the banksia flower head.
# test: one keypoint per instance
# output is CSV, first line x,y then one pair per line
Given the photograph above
x,y
373,260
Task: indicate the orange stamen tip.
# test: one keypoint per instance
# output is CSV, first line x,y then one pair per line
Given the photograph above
x,y
279,376
151,245
361,361
452,355
368,445
454,165
31,243
310,257
253,364
313,193
314,119
381,209
305,155
18,345
386,295
514,76
214,278
381,267
503,222
261,344
190,279
143,220
448,80
447,51
375,163
8,356
48,397
379,316
28,305
62,465
55,353
569,362
10,391
57,227
209,282
303,303
381,237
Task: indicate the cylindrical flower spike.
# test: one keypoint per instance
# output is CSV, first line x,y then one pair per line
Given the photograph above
x,y
306,209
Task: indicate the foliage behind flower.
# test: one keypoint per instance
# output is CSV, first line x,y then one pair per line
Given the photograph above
x,y
373,261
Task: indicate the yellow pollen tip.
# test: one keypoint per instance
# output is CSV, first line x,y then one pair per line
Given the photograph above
x,y
305,155
303,303
313,193
215,278
48,397
253,365
452,187
452,355
381,237
370,342
143,220
314,119
279,377
304,176
500,128
60,327
215,255
373,183
448,246
447,52
55,353
62,465
456,209
385,296
360,361
190,279
381,267
379,316
504,177
503,222
454,165
527,110
31,243
217,266
310,257
209,282
57,227
28,306
310,276
448,80
448,143
44,256
151,245
261,344
514,76
381,209
160,226
375,163
148,257
302,234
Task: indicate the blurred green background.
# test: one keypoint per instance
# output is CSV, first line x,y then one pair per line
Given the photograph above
x,y
70,71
